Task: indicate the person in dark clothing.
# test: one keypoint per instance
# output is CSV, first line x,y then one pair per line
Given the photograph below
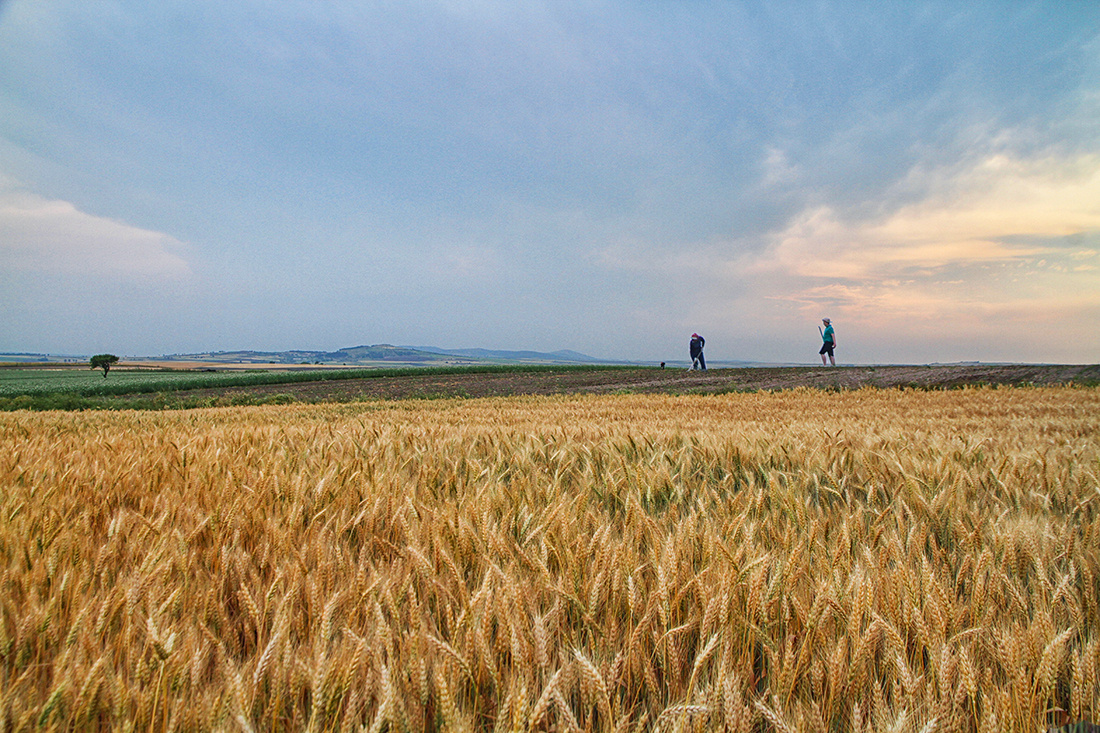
x,y
696,351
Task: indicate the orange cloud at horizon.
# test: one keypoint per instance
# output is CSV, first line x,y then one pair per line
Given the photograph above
x,y
979,216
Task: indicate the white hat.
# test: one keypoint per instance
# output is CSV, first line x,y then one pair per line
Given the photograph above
x,y
826,320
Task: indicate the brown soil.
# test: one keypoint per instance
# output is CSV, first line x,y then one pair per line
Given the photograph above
x,y
677,381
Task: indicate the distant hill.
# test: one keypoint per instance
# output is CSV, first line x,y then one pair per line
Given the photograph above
x,y
348,355
562,356
374,355
388,353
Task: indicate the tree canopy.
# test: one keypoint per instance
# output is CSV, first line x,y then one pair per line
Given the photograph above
x,y
104,362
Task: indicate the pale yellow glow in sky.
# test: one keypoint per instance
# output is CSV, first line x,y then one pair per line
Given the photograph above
x,y
1002,251
966,222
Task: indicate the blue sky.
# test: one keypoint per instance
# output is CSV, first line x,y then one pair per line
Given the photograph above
x,y
607,177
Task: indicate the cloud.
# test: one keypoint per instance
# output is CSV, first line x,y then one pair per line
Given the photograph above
x,y
43,236
1000,248
1001,211
474,170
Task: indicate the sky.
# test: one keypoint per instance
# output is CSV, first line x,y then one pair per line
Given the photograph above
x,y
607,177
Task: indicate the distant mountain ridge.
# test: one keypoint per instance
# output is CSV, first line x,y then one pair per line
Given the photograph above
x,y
376,355
567,356
424,355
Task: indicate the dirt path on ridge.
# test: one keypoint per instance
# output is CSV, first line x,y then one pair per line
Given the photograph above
x,y
673,381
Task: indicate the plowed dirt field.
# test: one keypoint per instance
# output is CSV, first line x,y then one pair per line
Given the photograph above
x,y
679,381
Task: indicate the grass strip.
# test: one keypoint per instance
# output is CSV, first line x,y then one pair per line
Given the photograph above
x,y
168,388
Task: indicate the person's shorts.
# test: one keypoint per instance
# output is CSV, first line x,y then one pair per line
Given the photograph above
x,y
827,348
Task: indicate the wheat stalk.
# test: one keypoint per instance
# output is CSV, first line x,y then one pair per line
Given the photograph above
x,y
888,554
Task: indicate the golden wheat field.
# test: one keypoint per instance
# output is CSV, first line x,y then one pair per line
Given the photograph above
x,y
875,560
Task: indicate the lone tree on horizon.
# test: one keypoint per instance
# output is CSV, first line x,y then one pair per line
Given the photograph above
x,y
104,362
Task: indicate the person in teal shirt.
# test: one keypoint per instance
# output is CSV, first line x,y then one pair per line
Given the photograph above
x,y
828,342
